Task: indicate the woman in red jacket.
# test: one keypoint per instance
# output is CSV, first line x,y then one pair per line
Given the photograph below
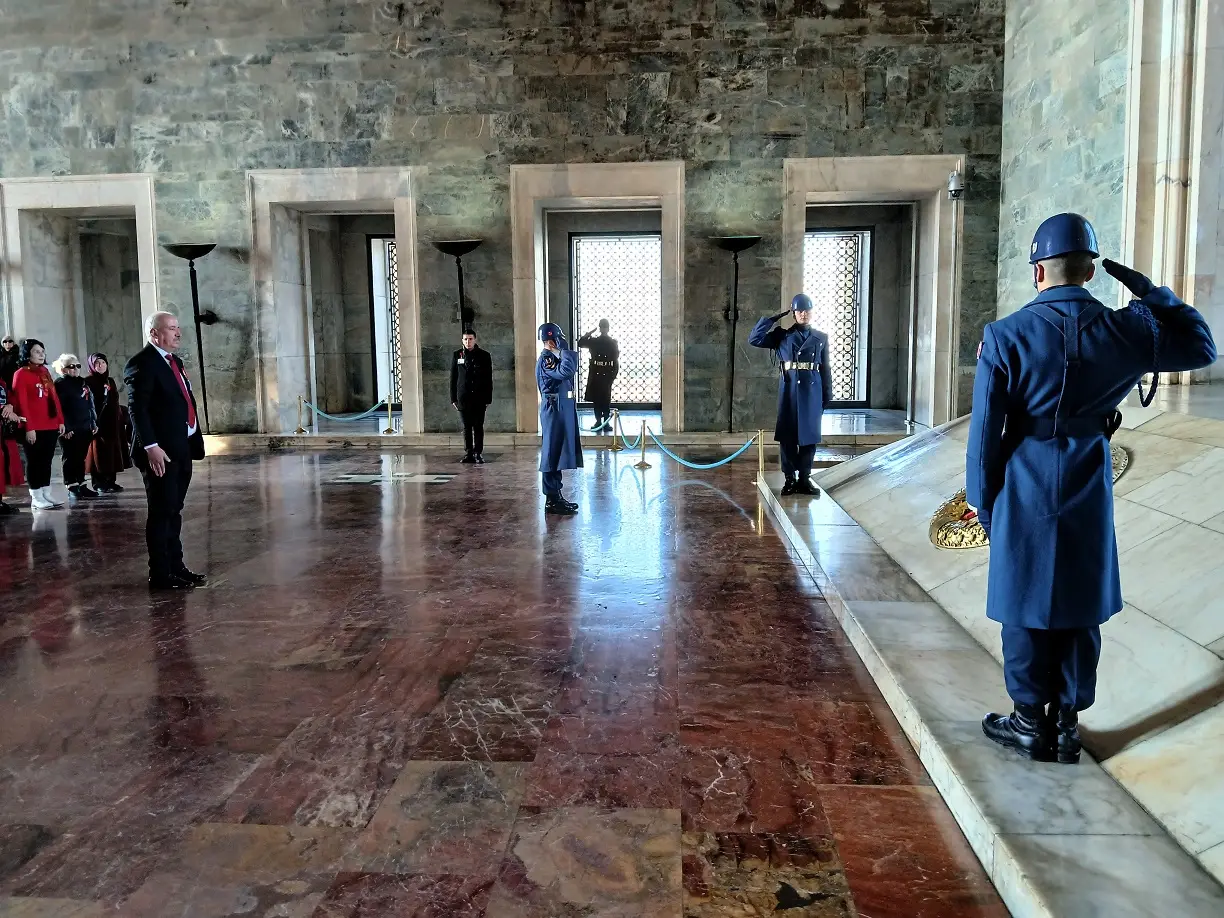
x,y
34,398
10,461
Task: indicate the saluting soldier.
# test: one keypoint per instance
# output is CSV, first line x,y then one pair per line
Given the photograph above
x,y
471,392
805,386
560,439
601,373
1049,380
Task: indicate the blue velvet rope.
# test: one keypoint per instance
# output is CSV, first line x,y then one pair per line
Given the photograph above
x,y
709,465
359,417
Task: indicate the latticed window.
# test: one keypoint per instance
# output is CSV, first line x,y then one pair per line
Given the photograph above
x,y
393,320
836,275
620,278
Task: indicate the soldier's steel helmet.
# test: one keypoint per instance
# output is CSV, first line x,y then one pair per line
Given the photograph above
x,y
801,303
1063,234
551,331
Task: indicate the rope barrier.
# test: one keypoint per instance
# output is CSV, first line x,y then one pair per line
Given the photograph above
x,y
708,465
335,417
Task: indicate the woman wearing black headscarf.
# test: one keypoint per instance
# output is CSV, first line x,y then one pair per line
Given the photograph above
x,y
107,455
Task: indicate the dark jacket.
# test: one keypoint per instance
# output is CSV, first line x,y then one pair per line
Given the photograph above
x,y
159,411
8,366
1046,500
77,402
471,381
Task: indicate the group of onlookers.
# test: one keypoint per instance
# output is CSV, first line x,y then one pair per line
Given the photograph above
x,y
78,409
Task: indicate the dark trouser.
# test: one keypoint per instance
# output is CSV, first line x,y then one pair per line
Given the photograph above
x,y
602,408
797,460
164,527
39,456
1057,666
599,391
74,450
551,483
473,427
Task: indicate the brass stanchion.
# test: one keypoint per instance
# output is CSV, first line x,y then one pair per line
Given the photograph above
x,y
642,463
300,428
616,446
760,438
390,422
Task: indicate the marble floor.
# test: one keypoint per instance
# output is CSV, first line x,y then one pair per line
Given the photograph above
x,y
407,692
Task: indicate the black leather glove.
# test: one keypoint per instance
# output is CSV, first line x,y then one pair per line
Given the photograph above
x,y
1138,284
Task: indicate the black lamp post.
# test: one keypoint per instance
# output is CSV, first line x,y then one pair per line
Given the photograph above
x,y
191,252
734,245
458,248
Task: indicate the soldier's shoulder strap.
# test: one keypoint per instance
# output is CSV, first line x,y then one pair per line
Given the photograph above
x,y
1086,317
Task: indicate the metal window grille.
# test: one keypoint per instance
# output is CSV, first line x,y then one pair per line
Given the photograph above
x,y
393,320
620,278
836,272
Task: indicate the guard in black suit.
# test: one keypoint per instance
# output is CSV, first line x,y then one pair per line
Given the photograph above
x,y
471,391
601,373
166,438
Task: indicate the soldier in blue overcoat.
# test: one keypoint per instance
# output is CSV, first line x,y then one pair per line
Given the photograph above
x,y
805,386
1049,379
560,441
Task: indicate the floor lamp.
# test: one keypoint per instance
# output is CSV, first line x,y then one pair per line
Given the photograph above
x,y
458,248
734,245
191,252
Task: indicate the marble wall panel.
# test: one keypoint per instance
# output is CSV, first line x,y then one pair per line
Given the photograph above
x,y
111,294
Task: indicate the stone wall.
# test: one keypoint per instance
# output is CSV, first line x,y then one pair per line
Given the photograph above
x,y
110,291
199,91
1064,134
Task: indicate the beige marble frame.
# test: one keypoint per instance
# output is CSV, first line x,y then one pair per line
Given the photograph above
x,y
278,199
585,186
73,196
923,180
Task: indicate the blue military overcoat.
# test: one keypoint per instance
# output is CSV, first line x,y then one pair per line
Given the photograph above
x,y
1045,500
802,394
560,441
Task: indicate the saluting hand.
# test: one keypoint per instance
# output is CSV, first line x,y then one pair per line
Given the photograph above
x,y
1132,280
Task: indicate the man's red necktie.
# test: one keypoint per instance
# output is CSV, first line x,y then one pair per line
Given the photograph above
x,y
178,374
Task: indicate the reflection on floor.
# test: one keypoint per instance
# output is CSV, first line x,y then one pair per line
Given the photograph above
x,y
402,696
1200,400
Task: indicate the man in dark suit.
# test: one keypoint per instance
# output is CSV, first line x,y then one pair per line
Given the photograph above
x,y
471,391
166,438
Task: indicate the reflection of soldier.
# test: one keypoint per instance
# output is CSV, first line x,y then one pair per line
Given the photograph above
x,y
601,372
804,388
560,441
1049,379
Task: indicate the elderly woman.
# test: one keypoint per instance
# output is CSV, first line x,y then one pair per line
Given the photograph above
x,y
34,398
10,460
107,455
80,424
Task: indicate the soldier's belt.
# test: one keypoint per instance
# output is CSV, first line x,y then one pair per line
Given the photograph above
x,y
602,363
1048,428
793,365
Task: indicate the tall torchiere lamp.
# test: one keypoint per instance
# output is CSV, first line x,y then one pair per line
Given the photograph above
x,y
457,248
190,252
734,245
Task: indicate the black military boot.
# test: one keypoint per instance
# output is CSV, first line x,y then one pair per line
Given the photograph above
x,y
1026,730
1068,738
788,486
805,486
558,504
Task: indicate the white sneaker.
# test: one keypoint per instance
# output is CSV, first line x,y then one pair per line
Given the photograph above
x,y
52,503
37,501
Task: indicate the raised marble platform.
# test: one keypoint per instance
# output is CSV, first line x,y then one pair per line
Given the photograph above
x,y
1056,840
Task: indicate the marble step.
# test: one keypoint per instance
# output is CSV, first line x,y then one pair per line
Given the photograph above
x,y
1058,841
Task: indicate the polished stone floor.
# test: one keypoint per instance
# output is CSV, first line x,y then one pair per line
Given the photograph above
x,y
407,692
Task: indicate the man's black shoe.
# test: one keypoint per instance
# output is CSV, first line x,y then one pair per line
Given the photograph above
x,y
191,577
559,505
805,486
169,583
8,509
788,487
479,459
468,459
1027,732
1068,739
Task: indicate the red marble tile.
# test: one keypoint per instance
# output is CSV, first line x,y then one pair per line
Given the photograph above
x,y
560,778
905,856
844,743
387,895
